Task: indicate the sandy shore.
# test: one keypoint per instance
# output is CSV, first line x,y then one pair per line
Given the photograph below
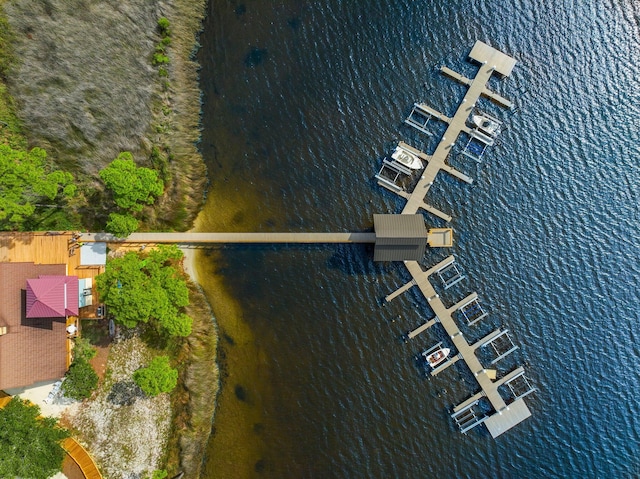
x,y
189,262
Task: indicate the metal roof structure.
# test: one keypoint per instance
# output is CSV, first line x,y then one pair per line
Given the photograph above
x,y
31,350
52,297
399,237
93,254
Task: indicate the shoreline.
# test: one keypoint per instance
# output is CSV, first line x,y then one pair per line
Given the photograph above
x,y
195,404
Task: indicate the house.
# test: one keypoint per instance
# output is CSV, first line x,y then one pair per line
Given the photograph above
x,y
35,302
45,289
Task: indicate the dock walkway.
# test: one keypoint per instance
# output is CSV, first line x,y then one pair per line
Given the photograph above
x,y
213,238
505,416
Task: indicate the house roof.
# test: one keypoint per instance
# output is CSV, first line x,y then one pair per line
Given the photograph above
x,y
52,297
34,349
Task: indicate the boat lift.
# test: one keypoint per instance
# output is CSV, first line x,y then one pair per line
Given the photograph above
x,y
480,137
472,311
474,148
468,417
418,118
520,386
450,275
391,174
501,343
442,366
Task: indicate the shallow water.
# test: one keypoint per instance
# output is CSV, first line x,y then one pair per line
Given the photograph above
x,y
301,102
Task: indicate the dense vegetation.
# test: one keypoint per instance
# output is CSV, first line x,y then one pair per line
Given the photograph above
x,y
81,379
26,178
143,288
85,94
29,444
88,88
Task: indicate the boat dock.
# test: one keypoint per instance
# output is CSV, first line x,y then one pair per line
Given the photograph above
x,y
491,62
403,237
505,415
466,415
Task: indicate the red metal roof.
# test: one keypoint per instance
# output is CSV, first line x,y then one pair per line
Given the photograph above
x,y
52,297
33,350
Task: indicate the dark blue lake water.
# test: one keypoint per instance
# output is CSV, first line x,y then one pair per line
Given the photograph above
x,y
302,100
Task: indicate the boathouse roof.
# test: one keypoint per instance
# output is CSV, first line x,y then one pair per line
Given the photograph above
x,y
399,237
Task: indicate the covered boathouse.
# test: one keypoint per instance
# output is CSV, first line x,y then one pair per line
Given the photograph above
x,y
399,237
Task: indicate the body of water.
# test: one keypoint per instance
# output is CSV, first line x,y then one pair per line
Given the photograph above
x,y
302,100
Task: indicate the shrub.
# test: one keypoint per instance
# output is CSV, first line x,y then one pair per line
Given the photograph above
x,y
158,474
163,26
158,377
83,350
80,381
160,59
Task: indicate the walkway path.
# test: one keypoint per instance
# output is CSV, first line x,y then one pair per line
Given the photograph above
x,y
205,238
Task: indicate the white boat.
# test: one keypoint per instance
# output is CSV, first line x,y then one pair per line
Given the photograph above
x,y
488,125
436,357
406,158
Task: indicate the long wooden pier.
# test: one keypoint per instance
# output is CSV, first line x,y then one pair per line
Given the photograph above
x,y
220,238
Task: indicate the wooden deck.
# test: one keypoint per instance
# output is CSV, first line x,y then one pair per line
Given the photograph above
x,y
75,451
39,248
82,458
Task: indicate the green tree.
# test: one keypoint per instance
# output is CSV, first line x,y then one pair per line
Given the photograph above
x,y
158,377
29,445
25,179
80,381
121,225
147,288
132,186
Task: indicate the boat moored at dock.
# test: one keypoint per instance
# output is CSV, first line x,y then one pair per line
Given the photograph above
x,y
436,357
